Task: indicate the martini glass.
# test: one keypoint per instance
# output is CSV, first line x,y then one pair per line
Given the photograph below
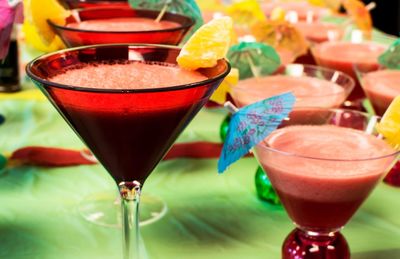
x,y
299,10
99,208
313,86
344,55
76,36
317,32
122,126
323,167
381,87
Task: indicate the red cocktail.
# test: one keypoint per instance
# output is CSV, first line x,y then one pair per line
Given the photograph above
x,y
121,25
381,87
74,4
301,10
343,56
317,32
98,24
313,86
323,169
77,4
126,111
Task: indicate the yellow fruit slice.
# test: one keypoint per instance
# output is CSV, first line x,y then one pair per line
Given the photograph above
x,y
38,12
278,14
219,96
389,126
33,39
207,45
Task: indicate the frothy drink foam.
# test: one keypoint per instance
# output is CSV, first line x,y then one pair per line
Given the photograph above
x,y
123,24
309,91
330,174
127,75
381,88
310,178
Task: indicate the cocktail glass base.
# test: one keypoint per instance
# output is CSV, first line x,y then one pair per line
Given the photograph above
x,y
301,245
103,209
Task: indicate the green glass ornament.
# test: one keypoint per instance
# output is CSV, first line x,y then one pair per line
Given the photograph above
x,y
223,130
264,188
3,161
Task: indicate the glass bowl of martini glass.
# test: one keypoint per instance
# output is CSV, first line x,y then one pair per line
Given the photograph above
x,y
120,25
323,164
115,97
381,87
313,86
76,4
344,55
106,25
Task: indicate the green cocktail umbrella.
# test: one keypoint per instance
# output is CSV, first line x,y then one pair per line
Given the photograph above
x,y
184,7
253,59
391,57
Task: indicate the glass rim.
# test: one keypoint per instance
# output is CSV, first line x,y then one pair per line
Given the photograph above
x,y
264,146
346,88
322,45
127,90
187,25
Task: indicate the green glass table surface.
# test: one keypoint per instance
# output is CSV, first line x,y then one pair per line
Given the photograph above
x,y
209,215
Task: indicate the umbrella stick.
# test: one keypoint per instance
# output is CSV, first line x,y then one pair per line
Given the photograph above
x,y
76,16
162,12
370,6
253,67
231,107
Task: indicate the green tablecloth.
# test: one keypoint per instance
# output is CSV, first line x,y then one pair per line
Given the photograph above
x,y
209,215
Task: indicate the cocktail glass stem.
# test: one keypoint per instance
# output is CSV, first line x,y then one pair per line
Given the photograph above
x,y
301,244
130,197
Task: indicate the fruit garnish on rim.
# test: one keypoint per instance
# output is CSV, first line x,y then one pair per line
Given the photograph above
x,y
207,45
38,12
389,126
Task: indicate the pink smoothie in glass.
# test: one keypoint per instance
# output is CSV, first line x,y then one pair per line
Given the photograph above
x,y
343,56
304,10
316,173
124,24
309,91
381,87
317,32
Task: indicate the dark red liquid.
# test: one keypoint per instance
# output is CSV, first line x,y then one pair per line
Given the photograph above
x,y
129,131
73,4
76,37
315,215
